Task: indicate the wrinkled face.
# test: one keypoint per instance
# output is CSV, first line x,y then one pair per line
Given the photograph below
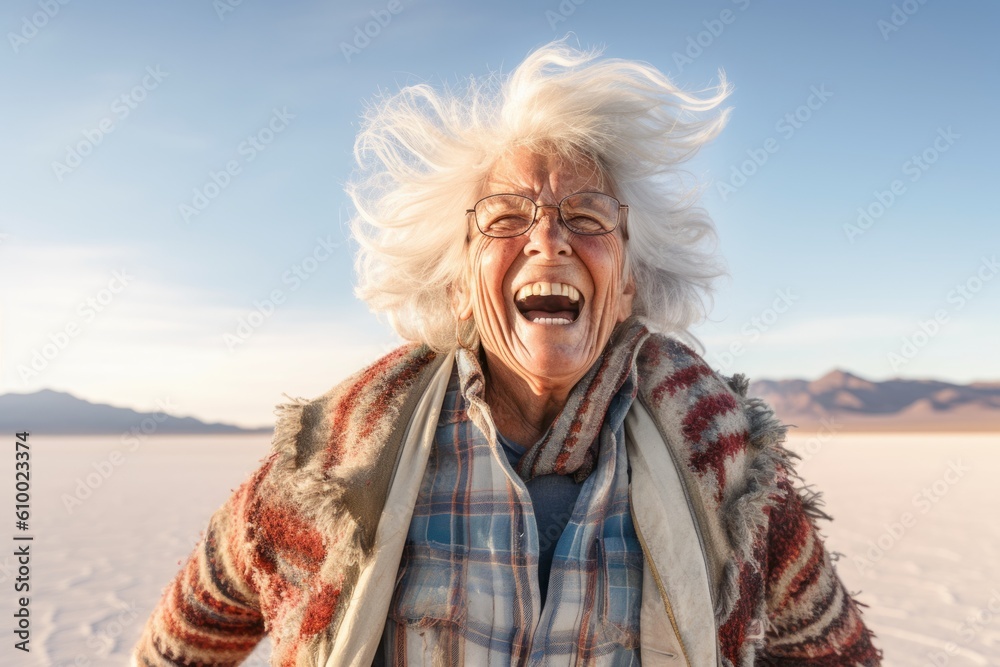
x,y
545,302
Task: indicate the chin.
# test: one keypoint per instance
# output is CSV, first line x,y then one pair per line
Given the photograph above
x,y
557,351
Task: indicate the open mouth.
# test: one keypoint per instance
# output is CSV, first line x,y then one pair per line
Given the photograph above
x,y
549,303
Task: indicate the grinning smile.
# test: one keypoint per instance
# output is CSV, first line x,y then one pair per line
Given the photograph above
x,y
549,303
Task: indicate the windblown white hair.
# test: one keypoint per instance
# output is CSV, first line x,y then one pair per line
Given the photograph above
x,y
423,156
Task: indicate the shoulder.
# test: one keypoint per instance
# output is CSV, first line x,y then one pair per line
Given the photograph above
x,y
298,528
363,408
726,437
730,449
331,457
676,382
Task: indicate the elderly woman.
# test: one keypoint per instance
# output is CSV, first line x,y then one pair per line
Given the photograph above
x,y
547,474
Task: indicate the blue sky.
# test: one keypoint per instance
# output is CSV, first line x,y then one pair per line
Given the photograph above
x,y
160,97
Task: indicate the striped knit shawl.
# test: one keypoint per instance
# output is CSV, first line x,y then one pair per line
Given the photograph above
x,y
570,446
298,532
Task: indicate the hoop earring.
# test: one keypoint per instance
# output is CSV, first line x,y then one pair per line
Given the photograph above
x,y
458,336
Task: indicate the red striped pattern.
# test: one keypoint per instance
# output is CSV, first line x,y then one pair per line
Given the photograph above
x,y
265,561
678,381
320,610
372,402
790,574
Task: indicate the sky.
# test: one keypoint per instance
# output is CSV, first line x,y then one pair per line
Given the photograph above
x,y
173,218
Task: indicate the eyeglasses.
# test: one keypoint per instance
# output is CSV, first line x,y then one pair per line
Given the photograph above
x,y
586,213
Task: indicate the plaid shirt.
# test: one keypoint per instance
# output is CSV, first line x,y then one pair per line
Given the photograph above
x,y
468,590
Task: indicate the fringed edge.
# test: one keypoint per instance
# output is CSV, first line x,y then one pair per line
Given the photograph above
x,y
869,635
767,431
729,592
746,513
286,426
316,494
812,500
315,491
312,488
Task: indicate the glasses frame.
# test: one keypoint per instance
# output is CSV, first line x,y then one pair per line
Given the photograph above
x,y
622,220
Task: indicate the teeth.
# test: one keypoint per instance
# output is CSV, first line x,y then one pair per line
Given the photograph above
x,y
546,289
551,320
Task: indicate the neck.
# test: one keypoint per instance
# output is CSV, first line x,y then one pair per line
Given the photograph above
x,y
521,411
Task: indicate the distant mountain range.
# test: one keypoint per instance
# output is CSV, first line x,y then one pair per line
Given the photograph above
x,y
838,400
48,412
852,403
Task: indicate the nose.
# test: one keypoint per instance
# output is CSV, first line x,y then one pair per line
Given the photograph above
x,y
548,236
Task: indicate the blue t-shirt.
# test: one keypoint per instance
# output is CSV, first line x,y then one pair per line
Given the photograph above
x,y
553,497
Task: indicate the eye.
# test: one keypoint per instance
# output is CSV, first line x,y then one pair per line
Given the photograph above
x,y
508,224
504,214
584,224
590,212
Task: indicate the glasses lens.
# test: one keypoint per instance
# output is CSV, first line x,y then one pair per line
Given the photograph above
x,y
590,213
504,215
